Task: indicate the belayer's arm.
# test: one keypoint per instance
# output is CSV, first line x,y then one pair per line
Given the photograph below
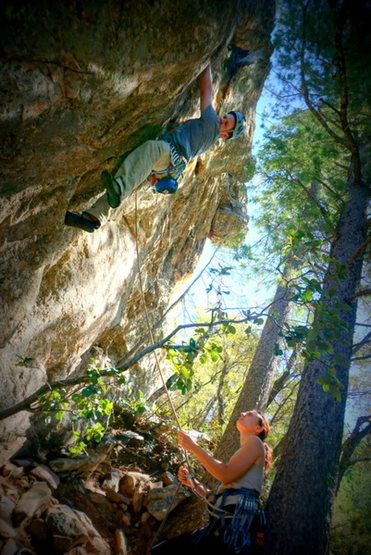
x,y
226,473
184,477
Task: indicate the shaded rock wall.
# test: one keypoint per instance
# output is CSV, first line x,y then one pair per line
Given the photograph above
x,y
82,83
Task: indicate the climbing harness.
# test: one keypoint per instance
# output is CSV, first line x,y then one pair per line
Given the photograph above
x,y
169,184
234,521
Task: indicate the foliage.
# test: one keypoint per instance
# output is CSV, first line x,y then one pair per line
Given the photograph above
x,y
301,187
214,372
182,357
351,530
87,405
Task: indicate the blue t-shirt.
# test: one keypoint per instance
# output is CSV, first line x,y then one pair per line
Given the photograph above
x,y
195,136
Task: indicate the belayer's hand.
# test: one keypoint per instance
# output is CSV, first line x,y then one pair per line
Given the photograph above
x,y
183,476
186,441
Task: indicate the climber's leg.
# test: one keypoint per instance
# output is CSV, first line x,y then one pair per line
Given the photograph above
x,y
149,156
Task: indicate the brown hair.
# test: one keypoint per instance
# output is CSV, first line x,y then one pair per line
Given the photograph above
x,y
263,434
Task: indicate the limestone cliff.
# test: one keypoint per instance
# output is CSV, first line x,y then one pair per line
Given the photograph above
x,y
82,82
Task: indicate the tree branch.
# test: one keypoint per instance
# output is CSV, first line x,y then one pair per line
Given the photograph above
x,y
313,199
78,380
280,382
305,91
145,338
357,346
361,358
332,191
361,293
358,251
350,445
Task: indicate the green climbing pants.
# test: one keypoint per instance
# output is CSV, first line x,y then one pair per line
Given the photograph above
x,y
149,156
137,166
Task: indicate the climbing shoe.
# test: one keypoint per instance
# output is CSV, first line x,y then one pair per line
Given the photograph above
x,y
84,221
115,189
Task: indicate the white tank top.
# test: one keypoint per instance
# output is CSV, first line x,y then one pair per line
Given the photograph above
x,y
253,479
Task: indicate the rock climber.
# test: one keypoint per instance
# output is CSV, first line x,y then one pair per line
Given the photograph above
x,y
163,160
236,518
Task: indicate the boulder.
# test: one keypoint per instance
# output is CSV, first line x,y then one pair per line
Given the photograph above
x,y
131,481
80,87
71,528
112,481
44,473
120,545
6,530
116,497
85,463
161,500
33,500
6,507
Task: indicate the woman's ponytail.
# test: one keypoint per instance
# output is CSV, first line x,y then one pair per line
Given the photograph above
x,y
263,434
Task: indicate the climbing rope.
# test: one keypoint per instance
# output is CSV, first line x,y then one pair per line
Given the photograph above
x,y
147,318
190,476
158,368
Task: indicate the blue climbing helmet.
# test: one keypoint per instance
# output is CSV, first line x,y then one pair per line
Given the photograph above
x,y
239,127
167,185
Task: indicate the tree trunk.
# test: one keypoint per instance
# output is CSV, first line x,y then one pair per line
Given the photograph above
x,y
219,394
299,506
258,383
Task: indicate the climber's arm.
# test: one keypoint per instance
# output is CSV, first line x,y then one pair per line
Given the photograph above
x,y
206,88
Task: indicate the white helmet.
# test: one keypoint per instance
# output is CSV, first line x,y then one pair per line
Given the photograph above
x,y
239,127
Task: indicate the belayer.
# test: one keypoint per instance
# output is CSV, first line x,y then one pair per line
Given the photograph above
x,y
237,521
163,160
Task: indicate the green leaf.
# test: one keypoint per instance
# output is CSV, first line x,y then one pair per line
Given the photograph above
x,y
308,295
78,448
88,391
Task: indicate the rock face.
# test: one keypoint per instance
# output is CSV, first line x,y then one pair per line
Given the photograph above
x,y
83,83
